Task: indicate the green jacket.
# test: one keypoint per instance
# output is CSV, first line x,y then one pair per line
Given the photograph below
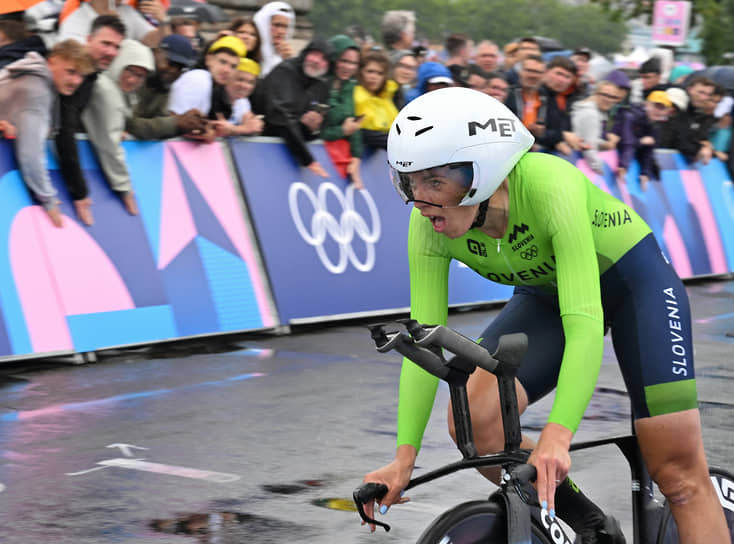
x,y
341,101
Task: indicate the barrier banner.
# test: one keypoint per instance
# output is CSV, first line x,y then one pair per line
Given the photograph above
x,y
329,249
690,209
186,266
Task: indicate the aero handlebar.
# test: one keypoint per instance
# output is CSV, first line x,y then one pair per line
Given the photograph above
x,y
423,346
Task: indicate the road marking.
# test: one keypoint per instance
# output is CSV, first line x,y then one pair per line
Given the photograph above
x,y
2,488
159,468
125,448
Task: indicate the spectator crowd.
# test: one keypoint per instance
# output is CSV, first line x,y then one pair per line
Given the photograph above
x,y
121,70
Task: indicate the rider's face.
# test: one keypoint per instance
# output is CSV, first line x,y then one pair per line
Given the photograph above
x,y
437,198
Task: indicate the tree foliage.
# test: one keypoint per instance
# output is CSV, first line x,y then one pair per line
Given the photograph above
x,y
498,20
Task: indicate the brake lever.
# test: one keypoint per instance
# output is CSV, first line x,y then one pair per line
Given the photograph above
x,y
520,478
366,493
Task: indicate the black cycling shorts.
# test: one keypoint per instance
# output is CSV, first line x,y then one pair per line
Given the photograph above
x,y
646,307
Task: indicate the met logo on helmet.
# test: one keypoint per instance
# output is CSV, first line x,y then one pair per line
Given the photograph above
x,y
404,164
504,126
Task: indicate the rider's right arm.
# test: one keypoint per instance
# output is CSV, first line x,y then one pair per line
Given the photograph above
x,y
429,271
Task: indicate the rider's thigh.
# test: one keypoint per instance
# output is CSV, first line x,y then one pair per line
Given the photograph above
x,y
673,450
485,410
536,314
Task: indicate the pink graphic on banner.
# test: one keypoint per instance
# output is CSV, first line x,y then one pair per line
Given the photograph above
x,y
676,248
87,281
212,177
610,157
697,197
177,224
582,165
44,315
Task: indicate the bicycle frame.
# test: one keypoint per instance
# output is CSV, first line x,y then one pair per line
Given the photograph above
x,y
423,347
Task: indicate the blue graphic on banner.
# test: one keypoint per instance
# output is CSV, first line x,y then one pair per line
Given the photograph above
x,y
328,249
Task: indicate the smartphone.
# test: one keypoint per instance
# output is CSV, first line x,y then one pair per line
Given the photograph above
x,y
359,117
319,108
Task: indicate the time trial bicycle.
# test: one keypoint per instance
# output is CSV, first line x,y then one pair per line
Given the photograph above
x,y
511,514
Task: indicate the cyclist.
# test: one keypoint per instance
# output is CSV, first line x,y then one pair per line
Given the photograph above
x,y
579,259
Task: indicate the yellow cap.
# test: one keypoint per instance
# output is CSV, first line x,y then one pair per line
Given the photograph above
x,y
249,65
230,42
660,97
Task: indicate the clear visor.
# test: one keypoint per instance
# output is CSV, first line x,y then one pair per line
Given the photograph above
x,y
441,186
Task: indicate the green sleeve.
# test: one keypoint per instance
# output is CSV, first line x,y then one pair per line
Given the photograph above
x,y
429,270
355,144
333,132
561,202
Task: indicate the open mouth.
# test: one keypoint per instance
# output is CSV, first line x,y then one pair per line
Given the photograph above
x,y
438,222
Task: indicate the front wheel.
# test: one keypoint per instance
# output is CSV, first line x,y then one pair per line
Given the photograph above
x,y
474,522
724,485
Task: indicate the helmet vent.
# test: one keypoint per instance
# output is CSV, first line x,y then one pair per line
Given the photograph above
x,y
397,127
414,118
421,131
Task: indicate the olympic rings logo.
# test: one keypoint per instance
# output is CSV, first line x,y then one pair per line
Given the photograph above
x,y
341,230
530,253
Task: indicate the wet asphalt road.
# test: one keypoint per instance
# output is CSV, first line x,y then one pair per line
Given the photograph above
x,y
250,439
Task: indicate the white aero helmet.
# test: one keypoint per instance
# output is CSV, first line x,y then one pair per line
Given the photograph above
x,y
459,128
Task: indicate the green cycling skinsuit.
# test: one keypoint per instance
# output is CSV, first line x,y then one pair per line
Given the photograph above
x,y
580,260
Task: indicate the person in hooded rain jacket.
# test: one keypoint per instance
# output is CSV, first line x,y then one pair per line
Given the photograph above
x,y
112,102
294,99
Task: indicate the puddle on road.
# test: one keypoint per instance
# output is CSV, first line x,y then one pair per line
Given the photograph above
x,y
228,527
293,488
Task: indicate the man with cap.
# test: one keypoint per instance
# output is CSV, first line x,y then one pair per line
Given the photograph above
x,y
204,88
581,57
688,129
242,122
151,118
650,77
639,129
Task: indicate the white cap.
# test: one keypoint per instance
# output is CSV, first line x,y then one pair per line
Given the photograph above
x,y
441,79
679,97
